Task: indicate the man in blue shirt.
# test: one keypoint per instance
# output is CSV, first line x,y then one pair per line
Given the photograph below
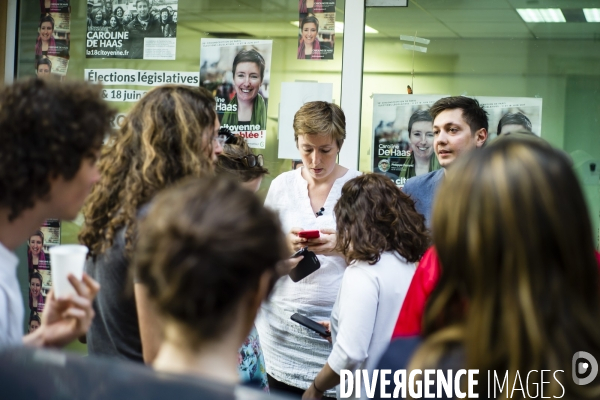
x,y
459,125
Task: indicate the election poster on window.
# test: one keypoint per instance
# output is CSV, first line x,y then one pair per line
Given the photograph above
x,y
39,268
237,72
509,114
134,29
403,136
53,40
316,23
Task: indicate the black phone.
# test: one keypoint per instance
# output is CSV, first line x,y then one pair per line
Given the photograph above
x,y
310,324
309,264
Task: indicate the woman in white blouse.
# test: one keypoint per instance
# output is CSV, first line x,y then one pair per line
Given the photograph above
x,y
304,199
381,236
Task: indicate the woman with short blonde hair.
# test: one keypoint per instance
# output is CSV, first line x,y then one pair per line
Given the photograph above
x,y
305,199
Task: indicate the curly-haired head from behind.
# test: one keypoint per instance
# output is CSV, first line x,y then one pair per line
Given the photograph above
x,y
374,216
208,248
167,136
47,130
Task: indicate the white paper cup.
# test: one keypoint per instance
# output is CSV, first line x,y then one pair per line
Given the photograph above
x,y
64,260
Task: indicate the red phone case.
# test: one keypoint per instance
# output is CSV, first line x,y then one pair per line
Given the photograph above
x,y
309,234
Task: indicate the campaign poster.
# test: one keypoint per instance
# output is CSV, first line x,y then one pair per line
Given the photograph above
x,y
403,136
52,67
316,29
62,6
132,29
509,114
39,267
54,32
237,72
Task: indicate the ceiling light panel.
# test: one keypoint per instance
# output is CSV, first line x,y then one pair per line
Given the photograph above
x,y
536,15
592,14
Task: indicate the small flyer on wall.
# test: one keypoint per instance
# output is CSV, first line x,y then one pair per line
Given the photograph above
x,y
403,136
132,29
39,266
54,66
507,114
237,72
316,26
53,35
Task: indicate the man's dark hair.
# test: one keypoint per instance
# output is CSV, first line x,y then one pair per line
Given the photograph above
x,y
514,119
46,129
472,112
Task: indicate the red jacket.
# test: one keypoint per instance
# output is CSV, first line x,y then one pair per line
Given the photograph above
x,y
421,286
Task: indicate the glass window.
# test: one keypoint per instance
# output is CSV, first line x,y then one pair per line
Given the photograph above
x,y
486,48
227,19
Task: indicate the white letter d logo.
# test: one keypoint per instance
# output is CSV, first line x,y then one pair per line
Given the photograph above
x,y
581,367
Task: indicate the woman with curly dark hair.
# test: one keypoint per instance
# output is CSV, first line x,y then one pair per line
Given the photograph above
x,y
381,236
170,134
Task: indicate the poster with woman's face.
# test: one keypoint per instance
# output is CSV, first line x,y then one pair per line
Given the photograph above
x,y
237,72
316,29
54,32
510,114
39,266
403,136
144,29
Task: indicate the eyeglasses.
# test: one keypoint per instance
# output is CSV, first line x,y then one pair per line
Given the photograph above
x,y
251,161
225,136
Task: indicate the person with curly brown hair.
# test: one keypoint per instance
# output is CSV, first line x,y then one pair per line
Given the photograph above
x,y
207,272
381,236
67,122
170,134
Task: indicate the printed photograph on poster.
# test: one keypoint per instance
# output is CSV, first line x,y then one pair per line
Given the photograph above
x,y
316,30
55,6
135,29
506,114
39,287
54,32
37,256
237,72
34,321
403,136
39,266
51,66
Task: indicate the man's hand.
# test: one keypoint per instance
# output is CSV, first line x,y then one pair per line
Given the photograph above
x,y
66,319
